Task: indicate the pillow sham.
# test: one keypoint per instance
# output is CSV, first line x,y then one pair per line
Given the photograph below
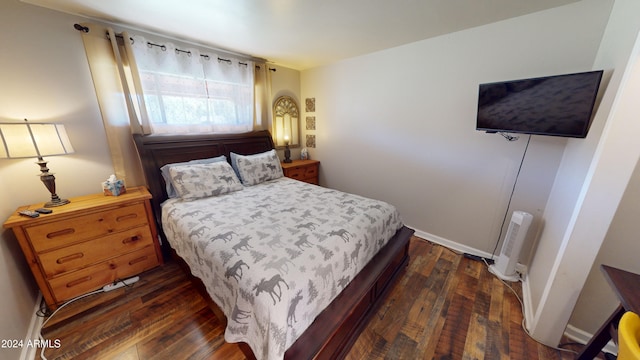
x,y
197,181
171,191
258,168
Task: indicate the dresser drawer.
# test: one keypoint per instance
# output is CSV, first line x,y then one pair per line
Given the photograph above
x,y
93,251
311,171
295,173
304,172
53,235
96,276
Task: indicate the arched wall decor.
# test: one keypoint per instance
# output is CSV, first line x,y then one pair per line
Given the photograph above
x,y
286,120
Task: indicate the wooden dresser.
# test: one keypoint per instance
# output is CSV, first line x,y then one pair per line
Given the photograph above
x,y
88,243
303,170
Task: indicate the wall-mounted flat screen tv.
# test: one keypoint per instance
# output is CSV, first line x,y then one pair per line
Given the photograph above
x,y
559,105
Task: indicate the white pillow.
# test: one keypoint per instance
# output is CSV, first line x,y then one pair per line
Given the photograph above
x,y
254,169
197,181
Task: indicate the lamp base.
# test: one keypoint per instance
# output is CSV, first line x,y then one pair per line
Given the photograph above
x,y
49,182
56,202
287,154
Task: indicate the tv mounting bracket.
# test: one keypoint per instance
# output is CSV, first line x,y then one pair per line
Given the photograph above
x,y
509,137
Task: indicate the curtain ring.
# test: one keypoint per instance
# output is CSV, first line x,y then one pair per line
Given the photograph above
x,y
79,27
150,44
178,51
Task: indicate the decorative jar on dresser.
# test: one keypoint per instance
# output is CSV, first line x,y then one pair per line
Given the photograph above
x,y
303,170
92,241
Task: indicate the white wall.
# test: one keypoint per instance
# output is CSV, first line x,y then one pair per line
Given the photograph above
x,y
620,245
590,182
45,77
616,156
399,125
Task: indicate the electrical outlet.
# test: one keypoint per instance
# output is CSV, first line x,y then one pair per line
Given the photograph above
x,y
521,269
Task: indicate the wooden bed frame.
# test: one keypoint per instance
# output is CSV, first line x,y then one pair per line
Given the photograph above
x,y
334,331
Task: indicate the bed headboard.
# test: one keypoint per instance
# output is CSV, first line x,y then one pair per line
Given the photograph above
x,y
158,150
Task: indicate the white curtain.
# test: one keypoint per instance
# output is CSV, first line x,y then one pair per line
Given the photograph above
x,y
187,91
158,87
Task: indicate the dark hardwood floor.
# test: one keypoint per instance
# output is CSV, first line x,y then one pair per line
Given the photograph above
x,y
444,307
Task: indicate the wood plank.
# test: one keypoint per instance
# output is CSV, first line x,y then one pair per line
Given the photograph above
x,y
198,333
438,316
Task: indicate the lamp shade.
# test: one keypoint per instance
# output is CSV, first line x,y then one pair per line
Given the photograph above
x,y
25,140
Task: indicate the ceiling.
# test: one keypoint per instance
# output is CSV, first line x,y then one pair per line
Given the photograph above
x,y
301,34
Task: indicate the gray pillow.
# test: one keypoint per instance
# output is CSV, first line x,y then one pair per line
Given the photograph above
x,y
195,181
254,169
171,191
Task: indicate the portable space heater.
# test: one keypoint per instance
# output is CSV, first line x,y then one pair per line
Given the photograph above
x,y
505,265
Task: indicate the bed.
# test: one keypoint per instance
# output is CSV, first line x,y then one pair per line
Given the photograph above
x,y
259,251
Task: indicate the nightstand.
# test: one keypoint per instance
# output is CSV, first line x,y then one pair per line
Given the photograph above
x,y
88,243
303,170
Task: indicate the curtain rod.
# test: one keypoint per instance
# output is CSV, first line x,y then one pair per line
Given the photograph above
x,y
205,56
86,29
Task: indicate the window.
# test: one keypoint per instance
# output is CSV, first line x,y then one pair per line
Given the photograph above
x,y
184,91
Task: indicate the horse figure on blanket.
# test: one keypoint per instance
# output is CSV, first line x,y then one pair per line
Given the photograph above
x,y
237,314
198,232
225,236
228,179
303,242
235,271
291,316
355,253
269,286
344,234
243,244
309,226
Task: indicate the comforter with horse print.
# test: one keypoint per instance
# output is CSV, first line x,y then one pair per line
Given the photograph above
x,y
274,255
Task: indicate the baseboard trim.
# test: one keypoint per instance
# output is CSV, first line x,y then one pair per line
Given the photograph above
x,y
583,337
527,302
33,333
452,245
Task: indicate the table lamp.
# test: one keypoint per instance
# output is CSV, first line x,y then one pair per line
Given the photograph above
x,y
26,140
287,152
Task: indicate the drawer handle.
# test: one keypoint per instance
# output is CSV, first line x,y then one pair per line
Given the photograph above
x,y
140,259
78,281
126,217
61,233
68,258
131,239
